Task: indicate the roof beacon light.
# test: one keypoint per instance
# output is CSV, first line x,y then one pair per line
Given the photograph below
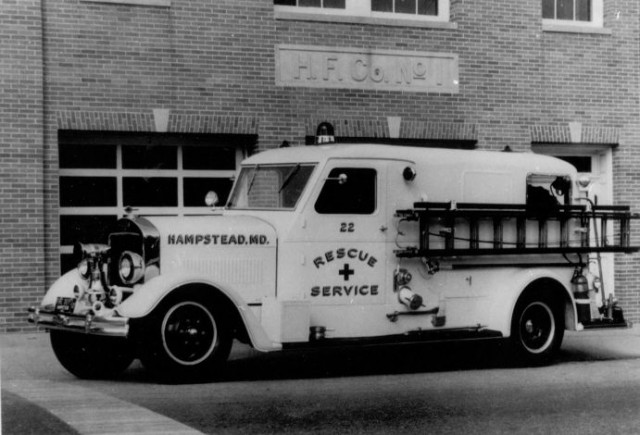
x,y
324,133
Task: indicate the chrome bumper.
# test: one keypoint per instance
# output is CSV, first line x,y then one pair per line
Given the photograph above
x,y
88,324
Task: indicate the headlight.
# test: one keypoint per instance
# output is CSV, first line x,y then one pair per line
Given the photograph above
x,y
130,267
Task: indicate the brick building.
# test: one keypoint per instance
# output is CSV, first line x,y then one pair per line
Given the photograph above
x,y
150,103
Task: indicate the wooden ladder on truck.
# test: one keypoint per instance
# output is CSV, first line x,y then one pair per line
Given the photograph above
x,y
453,230
444,219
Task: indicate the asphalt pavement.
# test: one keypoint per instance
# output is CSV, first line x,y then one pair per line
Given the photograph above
x,y
39,400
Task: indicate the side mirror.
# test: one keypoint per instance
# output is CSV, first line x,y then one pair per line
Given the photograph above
x,y
211,199
341,179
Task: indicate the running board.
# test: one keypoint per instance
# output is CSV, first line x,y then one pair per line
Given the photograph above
x,y
421,336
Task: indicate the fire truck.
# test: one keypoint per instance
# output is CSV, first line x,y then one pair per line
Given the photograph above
x,y
346,244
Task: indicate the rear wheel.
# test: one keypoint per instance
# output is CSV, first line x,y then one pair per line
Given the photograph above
x,y
537,328
91,356
185,338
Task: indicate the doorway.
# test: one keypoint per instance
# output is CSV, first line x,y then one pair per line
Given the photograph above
x,y
594,163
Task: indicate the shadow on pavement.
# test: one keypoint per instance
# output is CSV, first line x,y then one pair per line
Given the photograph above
x,y
366,361
19,416
247,365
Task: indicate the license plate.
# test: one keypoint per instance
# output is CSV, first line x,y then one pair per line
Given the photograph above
x,y
65,305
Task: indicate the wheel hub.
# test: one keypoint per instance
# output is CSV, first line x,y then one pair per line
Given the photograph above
x,y
189,333
537,327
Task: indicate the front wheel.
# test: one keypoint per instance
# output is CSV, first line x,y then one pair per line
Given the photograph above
x,y
537,329
185,339
91,356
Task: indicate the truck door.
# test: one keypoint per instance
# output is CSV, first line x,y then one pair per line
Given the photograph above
x,y
344,244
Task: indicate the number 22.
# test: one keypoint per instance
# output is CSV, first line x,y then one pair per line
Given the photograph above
x,y
347,227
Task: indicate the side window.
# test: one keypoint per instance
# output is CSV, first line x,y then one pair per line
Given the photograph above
x,y
546,192
348,191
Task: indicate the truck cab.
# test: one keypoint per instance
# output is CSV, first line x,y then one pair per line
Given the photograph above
x,y
333,244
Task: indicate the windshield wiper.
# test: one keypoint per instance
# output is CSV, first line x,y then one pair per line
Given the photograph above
x,y
253,178
289,177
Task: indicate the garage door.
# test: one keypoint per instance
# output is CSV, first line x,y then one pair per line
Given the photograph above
x,y
102,174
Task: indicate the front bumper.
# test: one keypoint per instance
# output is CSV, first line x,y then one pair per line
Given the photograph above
x,y
111,326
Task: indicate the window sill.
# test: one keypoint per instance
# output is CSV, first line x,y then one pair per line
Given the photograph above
x,y
155,3
351,19
564,28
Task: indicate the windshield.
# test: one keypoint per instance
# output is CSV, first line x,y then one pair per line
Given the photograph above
x,y
275,187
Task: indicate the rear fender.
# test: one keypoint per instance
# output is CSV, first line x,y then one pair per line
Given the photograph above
x,y
530,280
148,296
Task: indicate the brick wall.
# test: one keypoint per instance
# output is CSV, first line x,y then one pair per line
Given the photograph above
x,y
21,106
518,84
211,64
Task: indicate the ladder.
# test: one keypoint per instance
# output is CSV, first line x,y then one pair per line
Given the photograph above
x,y
449,229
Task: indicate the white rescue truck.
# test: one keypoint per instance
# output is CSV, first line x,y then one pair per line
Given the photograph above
x,y
353,244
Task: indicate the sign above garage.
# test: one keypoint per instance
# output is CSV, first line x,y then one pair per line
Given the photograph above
x,y
348,68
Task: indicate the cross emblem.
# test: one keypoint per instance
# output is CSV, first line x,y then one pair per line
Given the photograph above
x,y
346,271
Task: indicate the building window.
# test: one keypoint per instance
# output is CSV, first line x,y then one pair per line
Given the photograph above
x,y
579,10
97,181
572,12
157,3
335,4
415,7
363,10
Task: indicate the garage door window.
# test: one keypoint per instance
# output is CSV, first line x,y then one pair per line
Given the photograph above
x,y
97,182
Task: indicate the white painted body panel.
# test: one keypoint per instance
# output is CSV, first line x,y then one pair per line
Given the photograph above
x,y
299,269
147,297
238,252
314,252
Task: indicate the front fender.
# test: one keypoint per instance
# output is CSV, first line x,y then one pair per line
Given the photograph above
x,y
513,285
63,287
149,295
